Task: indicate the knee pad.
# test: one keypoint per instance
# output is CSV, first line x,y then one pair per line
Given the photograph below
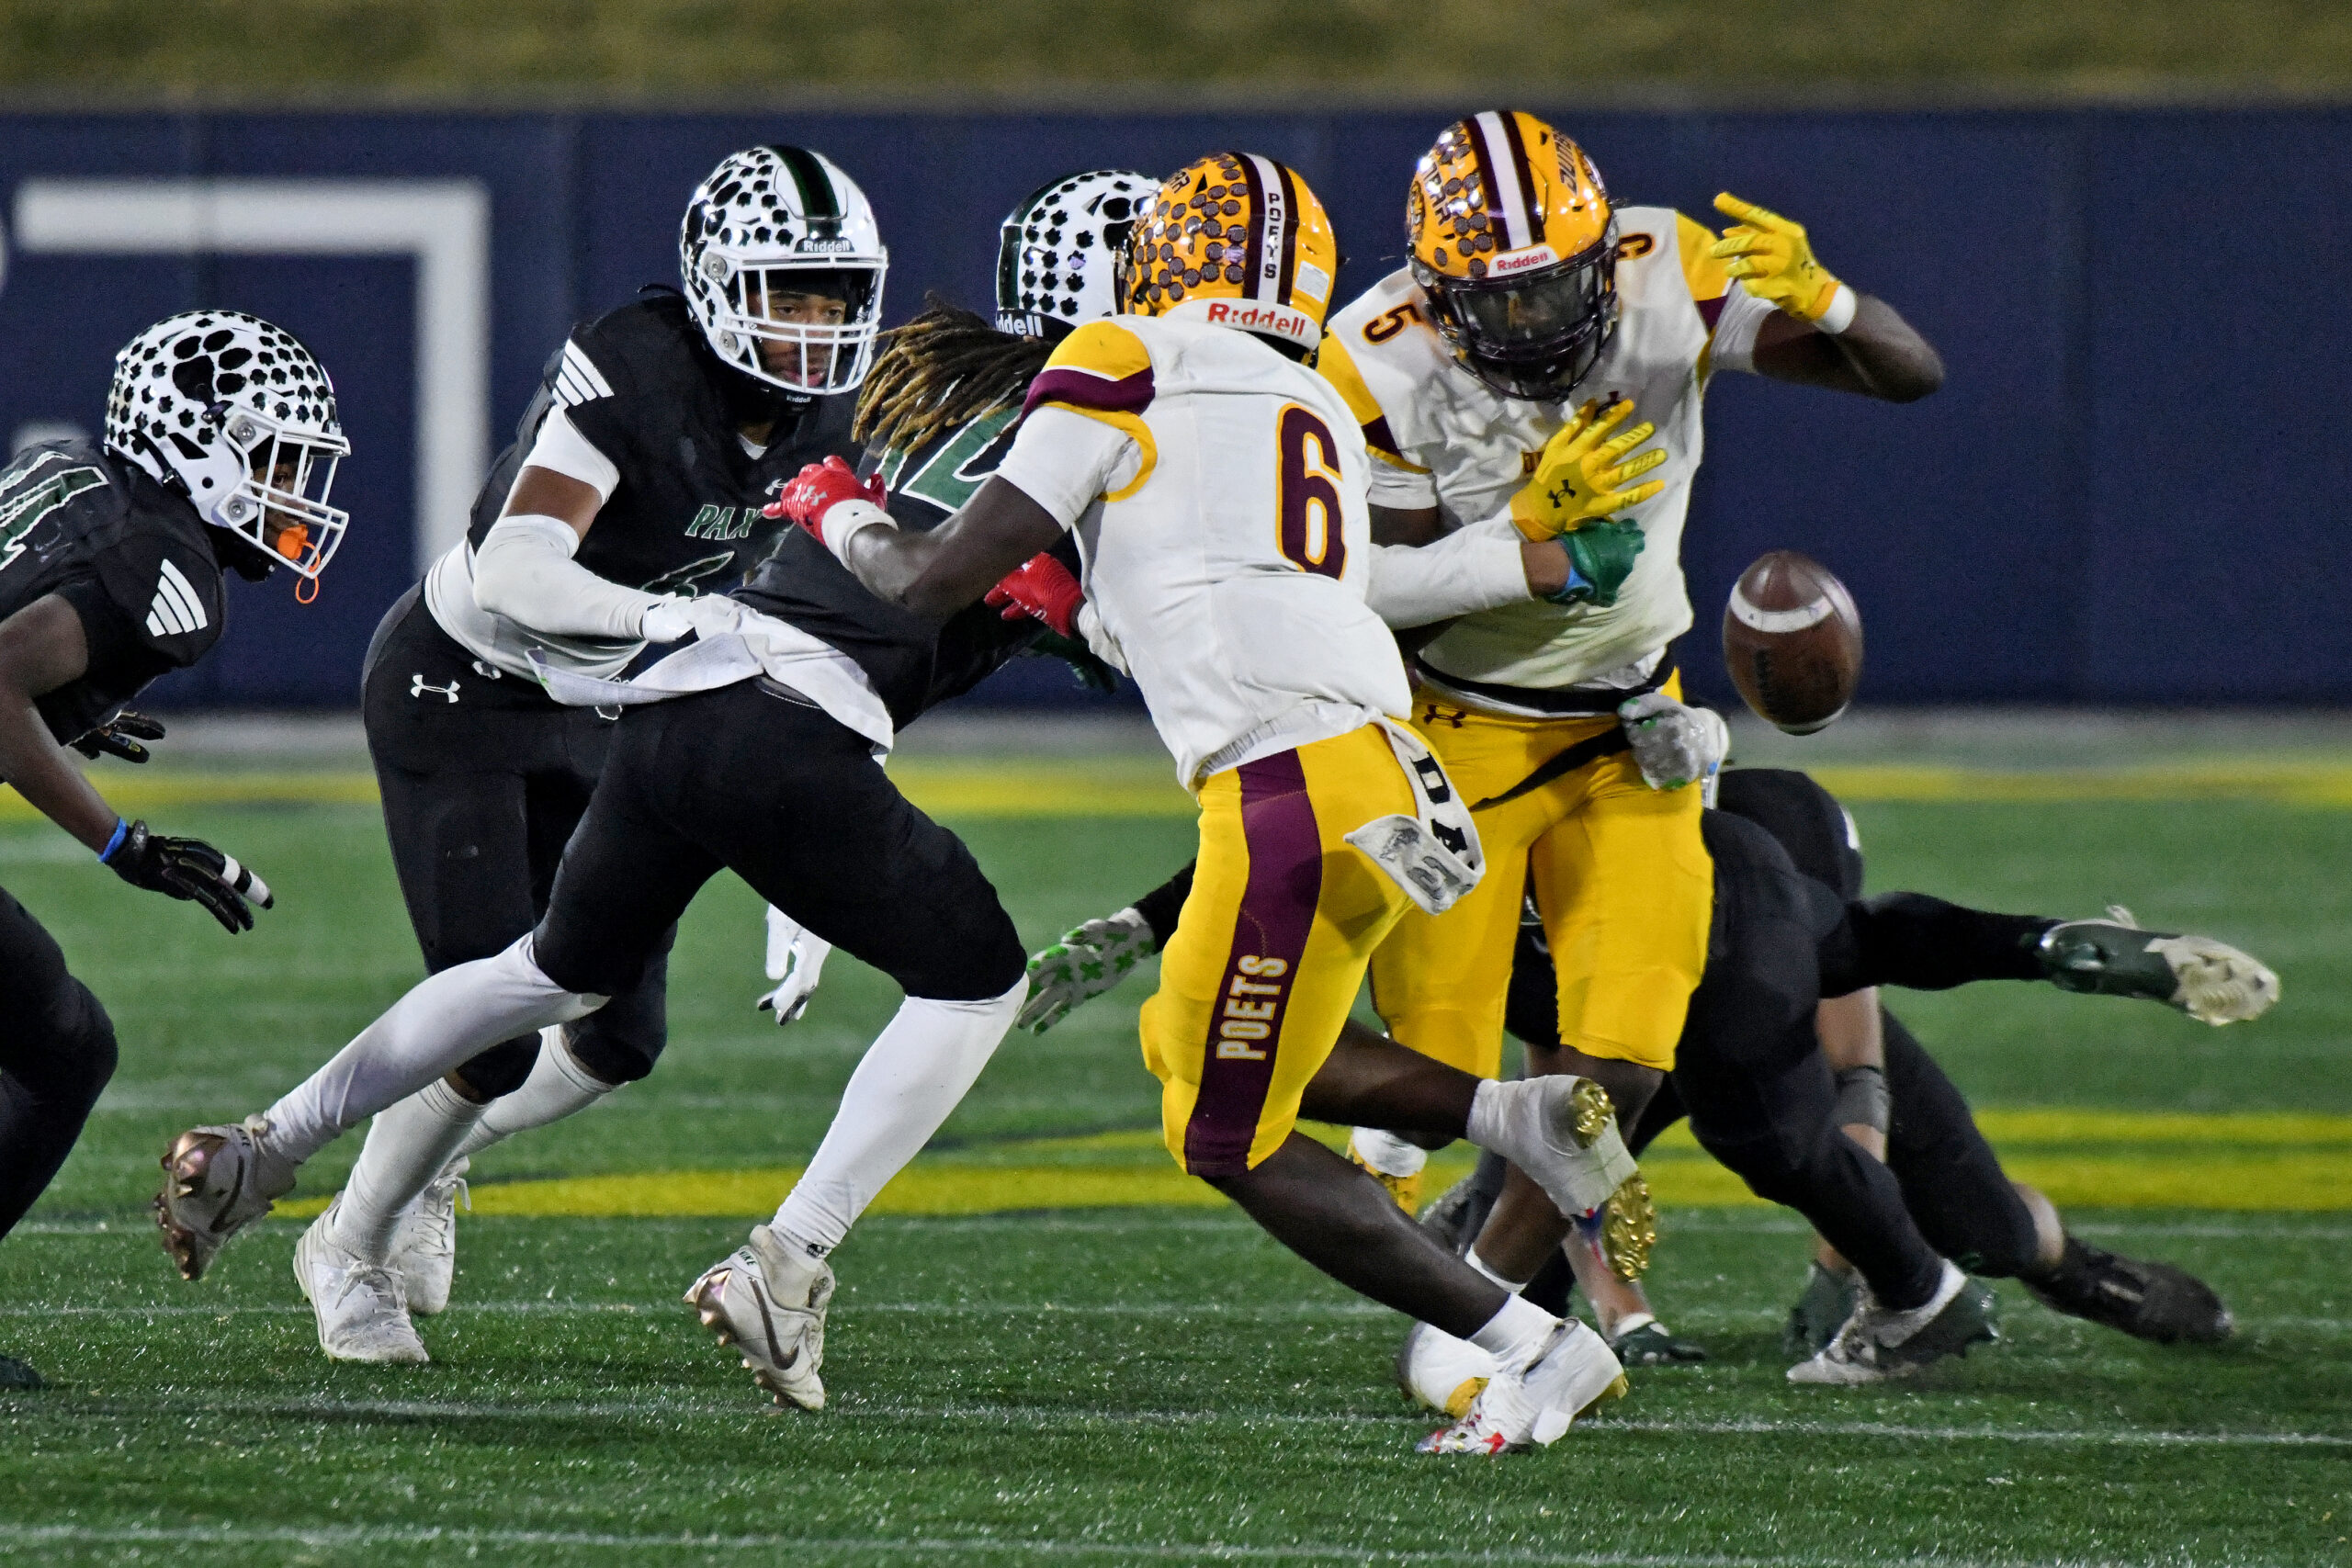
x,y
589,976
610,1055
501,1069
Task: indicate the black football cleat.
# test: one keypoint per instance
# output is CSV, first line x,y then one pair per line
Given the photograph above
x,y
2211,981
1649,1343
2148,1301
1827,1301
16,1377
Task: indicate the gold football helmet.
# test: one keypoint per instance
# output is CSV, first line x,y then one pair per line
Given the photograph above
x,y
1514,244
1236,239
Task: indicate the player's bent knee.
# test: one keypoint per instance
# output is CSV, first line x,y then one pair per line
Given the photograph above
x,y
88,1054
592,980
609,1057
501,1069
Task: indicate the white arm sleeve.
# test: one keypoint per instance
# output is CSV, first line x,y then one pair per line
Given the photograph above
x,y
523,571
1063,460
1735,340
561,448
1478,568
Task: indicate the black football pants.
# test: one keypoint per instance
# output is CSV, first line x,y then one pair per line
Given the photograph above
x,y
481,794
1750,1076
57,1051
756,779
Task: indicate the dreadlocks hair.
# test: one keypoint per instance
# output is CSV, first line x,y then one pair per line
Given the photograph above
x,y
946,367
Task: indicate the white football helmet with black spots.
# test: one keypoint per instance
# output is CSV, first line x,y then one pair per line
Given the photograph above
x,y
1053,267
772,222
236,414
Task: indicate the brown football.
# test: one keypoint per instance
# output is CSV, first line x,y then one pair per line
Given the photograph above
x,y
1792,642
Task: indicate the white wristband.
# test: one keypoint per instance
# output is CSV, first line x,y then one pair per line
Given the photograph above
x,y
1840,314
844,520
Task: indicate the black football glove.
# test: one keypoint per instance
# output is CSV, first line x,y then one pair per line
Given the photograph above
x,y
187,868
121,736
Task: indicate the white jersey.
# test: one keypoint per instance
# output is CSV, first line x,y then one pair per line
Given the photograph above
x,y
1217,491
1440,438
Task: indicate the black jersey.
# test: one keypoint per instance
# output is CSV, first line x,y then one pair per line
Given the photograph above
x,y
643,387
914,664
132,559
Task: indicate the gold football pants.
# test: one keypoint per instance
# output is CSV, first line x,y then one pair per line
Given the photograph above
x,y
1270,948
1624,885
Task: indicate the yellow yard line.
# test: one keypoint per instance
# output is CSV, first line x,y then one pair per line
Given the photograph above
x,y
1136,787
2280,1162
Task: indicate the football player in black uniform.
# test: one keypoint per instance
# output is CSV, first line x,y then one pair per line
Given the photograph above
x,y
1752,1077
1891,1098
632,494
219,454
759,757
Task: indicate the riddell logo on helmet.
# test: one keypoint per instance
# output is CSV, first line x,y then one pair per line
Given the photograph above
x,y
1521,261
1262,319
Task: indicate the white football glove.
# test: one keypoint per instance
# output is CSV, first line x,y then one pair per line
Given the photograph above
x,y
1088,961
1674,744
705,614
796,962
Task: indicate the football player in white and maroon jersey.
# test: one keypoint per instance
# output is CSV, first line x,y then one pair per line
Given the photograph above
x,y
1529,297
1215,486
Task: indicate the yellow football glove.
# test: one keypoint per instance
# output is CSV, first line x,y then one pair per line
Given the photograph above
x,y
1578,477
1774,260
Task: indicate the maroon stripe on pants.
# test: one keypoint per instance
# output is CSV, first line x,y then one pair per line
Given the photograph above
x,y
1269,939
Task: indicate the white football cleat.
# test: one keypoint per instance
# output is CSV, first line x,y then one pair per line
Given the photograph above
x,y
217,1180
361,1308
1878,1342
1574,1370
1440,1371
425,1245
770,1306
1561,1130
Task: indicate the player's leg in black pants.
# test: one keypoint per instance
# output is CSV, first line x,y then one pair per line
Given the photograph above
x,y
480,796
57,1051
758,779
1953,1180
1760,1095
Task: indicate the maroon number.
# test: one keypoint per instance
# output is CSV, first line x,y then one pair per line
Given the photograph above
x,y
1310,535
1388,323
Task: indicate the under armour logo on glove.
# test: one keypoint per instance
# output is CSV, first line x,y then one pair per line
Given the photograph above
x,y
418,685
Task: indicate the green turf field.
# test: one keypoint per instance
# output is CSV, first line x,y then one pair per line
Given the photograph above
x,y
1086,1376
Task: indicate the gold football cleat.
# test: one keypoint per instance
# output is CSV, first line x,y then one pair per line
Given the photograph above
x,y
1629,1229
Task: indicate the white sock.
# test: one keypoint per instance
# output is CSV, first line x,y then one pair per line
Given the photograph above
x,y
916,1071
1491,1272
558,1087
1385,1152
407,1146
442,1023
1514,1334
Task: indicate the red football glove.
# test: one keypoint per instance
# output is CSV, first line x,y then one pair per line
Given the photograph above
x,y
1042,589
817,488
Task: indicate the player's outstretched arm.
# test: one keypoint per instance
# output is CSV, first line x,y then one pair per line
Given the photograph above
x,y
932,574
1092,958
1826,333
42,647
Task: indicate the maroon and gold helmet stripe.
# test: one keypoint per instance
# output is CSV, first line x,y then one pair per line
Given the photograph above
x,y
1272,256
1505,180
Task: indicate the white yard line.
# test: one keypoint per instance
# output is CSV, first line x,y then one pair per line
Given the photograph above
x,y
672,1405
15,1537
